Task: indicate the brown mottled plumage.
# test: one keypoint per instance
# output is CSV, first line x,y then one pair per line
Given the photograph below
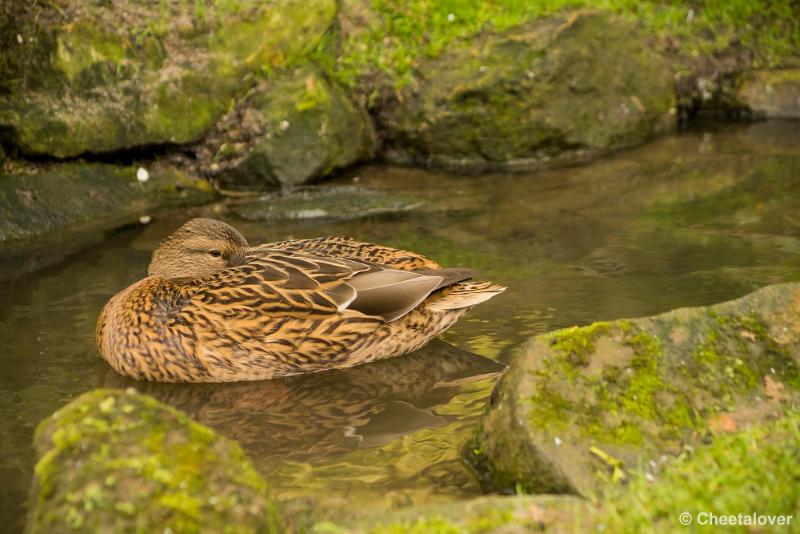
x,y
214,309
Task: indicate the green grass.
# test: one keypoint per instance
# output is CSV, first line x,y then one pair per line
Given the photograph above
x,y
755,470
402,34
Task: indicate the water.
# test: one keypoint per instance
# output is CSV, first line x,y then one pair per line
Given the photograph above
x,y
686,220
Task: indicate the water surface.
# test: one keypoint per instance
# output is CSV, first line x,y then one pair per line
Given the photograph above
x,y
690,219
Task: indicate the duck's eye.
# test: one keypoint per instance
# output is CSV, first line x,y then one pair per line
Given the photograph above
x,y
215,253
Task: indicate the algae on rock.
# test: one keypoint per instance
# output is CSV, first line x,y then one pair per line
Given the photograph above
x,y
114,461
295,128
580,406
572,86
131,75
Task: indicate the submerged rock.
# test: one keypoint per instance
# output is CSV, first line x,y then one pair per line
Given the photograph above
x,y
579,406
328,203
114,461
98,196
771,93
291,130
563,87
127,75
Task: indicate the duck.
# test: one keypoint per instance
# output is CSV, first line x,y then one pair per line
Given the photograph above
x,y
214,309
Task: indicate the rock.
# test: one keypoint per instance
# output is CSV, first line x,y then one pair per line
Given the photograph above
x,y
771,93
579,406
114,461
98,196
564,87
292,130
323,204
129,75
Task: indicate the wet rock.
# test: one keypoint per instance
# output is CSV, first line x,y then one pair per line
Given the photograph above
x,y
771,93
34,202
323,204
565,87
114,460
579,406
291,130
129,75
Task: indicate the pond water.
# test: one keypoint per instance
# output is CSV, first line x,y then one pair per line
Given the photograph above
x,y
689,219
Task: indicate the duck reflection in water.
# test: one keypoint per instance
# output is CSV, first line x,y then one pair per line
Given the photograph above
x,y
310,416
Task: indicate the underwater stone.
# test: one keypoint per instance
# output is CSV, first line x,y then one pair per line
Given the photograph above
x,y
118,461
567,87
340,203
579,407
60,196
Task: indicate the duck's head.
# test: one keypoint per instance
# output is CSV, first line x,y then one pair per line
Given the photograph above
x,y
200,247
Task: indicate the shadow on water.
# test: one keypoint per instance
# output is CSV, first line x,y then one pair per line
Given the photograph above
x,y
311,416
686,220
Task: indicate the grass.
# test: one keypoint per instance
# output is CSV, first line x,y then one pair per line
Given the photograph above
x,y
399,35
752,471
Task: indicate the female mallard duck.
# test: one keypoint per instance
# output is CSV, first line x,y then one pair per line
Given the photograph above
x,y
214,309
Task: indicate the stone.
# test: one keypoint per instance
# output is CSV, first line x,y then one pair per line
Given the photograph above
x,y
131,75
568,87
292,130
770,93
115,460
340,203
580,406
36,201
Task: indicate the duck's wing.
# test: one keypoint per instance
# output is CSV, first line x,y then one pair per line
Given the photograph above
x,y
281,282
349,248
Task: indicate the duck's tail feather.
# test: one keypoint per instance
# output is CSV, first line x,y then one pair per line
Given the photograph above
x,y
466,294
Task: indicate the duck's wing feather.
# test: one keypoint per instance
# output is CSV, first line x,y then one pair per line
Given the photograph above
x,y
281,282
349,248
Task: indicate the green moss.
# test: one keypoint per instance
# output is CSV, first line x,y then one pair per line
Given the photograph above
x,y
624,400
736,355
111,453
401,34
577,343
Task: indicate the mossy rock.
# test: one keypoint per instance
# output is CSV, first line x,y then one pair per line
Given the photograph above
x,y
117,461
566,87
294,129
92,196
770,93
130,75
580,406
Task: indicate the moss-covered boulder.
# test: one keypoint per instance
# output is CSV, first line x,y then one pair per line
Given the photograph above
x,y
770,93
576,85
117,461
133,74
290,130
36,201
577,407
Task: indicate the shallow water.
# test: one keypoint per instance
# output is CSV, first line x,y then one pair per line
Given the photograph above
x,y
686,220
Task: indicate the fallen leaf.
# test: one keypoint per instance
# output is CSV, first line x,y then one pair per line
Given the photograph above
x,y
748,335
537,513
774,389
722,423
